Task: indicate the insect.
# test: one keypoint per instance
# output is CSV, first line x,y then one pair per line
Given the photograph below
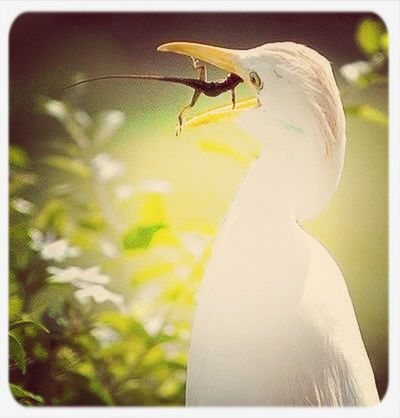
x,y
200,85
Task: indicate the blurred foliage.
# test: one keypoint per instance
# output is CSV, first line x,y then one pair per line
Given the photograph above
x,y
75,338
373,41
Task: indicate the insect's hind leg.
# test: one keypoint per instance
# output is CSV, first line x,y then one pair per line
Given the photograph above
x,y
195,97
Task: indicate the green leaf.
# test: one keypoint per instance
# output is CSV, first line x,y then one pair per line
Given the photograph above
x,y
52,213
19,180
152,271
62,147
126,326
101,390
368,79
27,322
51,299
385,42
368,35
17,156
140,236
19,392
93,221
17,352
14,306
71,165
169,387
368,113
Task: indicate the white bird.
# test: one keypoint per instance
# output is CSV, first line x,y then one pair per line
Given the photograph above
x,y
275,324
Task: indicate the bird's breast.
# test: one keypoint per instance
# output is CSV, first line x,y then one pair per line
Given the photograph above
x,y
256,270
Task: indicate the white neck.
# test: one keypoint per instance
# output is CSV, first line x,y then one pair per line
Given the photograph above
x,y
261,195
292,179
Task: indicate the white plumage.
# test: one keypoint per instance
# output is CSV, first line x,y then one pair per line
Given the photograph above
x,y
275,324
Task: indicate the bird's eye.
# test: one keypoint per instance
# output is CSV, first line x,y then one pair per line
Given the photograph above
x,y
256,80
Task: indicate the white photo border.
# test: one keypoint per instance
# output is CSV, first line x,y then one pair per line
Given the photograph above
x,y
389,12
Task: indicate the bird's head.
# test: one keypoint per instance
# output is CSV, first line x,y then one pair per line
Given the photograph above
x,y
299,116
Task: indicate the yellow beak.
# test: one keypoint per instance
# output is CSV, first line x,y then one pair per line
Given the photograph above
x,y
227,59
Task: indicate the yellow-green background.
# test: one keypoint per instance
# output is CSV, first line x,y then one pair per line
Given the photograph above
x,y
204,167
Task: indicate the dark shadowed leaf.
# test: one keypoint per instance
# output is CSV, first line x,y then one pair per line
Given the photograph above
x,y
17,352
27,322
20,393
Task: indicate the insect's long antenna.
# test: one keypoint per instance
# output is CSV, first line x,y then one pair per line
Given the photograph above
x,y
190,82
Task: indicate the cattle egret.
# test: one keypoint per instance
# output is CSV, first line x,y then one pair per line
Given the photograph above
x,y
275,323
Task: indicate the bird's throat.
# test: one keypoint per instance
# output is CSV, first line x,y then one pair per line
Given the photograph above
x,y
265,192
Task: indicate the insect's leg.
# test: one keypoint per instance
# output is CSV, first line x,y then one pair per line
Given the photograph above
x,y
233,98
202,68
195,97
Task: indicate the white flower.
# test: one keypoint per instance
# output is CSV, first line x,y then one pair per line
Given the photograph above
x,y
107,168
67,275
141,304
100,294
155,186
107,123
59,250
172,349
77,276
169,329
182,271
105,335
195,243
124,191
22,206
37,239
108,248
55,108
50,249
114,118
149,292
351,72
62,189
83,118
153,325
89,283
184,334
